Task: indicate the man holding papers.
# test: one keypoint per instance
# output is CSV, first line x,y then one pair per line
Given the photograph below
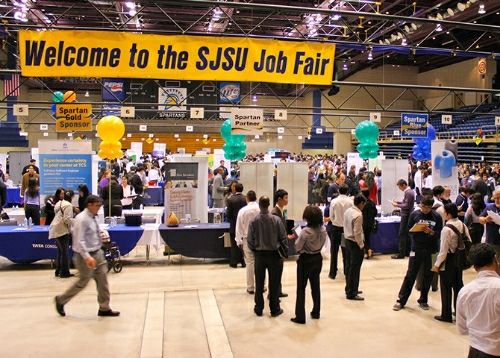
x,y
406,207
490,217
424,226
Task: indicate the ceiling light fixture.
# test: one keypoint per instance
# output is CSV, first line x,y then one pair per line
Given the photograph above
x,y
481,10
87,94
370,55
439,28
461,6
403,43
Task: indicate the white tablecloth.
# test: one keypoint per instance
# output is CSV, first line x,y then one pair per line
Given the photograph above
x,y
148,211
17,214
151,236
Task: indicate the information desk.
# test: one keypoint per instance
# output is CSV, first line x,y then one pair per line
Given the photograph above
x,y
14,197
386,239
197,240
24,246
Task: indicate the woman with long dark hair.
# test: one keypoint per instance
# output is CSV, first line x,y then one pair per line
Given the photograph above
x,y
50,203
476,229
116,197
32,201
309,244
60,230
83,193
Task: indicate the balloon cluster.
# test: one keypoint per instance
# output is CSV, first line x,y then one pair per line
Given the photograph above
x,y
422,147
367,134
235,147
110,129
59,97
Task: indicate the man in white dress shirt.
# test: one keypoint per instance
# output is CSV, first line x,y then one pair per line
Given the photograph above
x,y
338,207
478,304
245,215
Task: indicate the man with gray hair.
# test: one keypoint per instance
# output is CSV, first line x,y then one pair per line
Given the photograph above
x,y
89,260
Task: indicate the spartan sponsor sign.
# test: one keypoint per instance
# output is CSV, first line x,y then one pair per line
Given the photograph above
x,y
247,121
414,125
71,117
172,102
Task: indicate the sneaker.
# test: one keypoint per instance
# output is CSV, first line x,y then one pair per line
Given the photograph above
x,y
424,306
276,314
398,306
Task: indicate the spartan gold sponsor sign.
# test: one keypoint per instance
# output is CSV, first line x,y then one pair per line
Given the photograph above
x,y
247,121
181,57
71,117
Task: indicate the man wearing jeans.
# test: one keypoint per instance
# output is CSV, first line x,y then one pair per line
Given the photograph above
x,y
89,260
406,207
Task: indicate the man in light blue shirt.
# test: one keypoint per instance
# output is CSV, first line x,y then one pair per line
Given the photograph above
x,y
89,260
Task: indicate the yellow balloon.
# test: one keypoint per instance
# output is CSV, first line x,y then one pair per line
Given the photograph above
x,y
103,154
110,128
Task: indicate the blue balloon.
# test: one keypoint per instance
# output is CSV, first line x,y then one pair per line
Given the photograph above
x,y
53,108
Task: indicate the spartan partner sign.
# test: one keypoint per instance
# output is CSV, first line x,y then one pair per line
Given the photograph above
x,y
247,121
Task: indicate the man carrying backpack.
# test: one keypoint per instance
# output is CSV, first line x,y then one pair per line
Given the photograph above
x,y
452,246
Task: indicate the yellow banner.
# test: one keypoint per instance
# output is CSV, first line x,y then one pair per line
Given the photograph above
x,y
72,117
130,55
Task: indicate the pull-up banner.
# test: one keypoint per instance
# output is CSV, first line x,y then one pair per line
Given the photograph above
x,y
129,55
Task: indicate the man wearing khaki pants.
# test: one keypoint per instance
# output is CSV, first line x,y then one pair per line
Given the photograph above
x,y
245,215
89,260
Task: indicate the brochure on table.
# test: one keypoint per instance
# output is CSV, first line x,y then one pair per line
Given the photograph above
x,y
257,177
185,188
392,171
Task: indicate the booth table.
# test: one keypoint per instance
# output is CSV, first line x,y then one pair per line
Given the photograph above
x,y
153,211
21,245
386,239
18,215
153,196
14,197
197,240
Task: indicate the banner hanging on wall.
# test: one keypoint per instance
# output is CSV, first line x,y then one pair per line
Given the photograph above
x,y
180,57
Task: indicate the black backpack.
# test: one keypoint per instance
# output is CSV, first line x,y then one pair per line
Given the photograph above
x,y
462,253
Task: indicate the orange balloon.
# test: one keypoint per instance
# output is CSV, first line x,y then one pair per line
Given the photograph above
x,y
69,97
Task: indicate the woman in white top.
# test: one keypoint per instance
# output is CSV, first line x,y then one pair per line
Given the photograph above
x,y
128,191
450,276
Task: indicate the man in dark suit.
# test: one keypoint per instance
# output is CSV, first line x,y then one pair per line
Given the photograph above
x,y
281,200
234,203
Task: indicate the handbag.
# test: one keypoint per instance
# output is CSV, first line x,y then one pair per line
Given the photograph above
x,y
462,253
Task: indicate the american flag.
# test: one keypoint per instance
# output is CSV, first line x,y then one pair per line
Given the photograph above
x,y
11,85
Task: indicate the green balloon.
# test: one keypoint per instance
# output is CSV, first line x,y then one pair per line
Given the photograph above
x,y
57,97
367,132
225,130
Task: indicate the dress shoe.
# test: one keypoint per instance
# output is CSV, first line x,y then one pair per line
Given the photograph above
x,y
59,308
314,315
233,266
332,277
257,312
108,313
442,319
282,294
398,306
243,265
360,292
56,274
250,292
296,320
424,306
397,257
67,276
276,314
356,298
